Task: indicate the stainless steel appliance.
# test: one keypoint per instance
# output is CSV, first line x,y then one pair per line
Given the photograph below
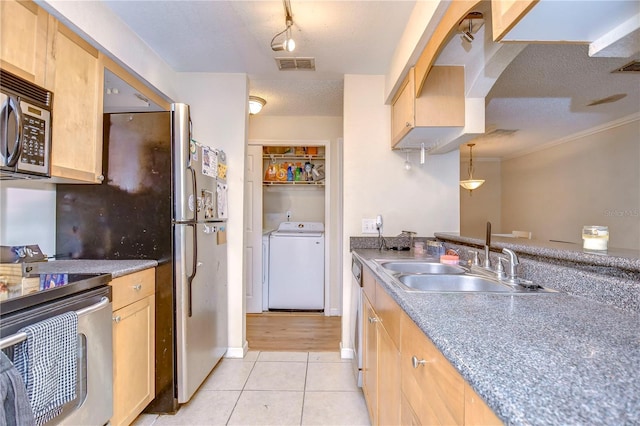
x,y
90,297
356,318
163,198
25,128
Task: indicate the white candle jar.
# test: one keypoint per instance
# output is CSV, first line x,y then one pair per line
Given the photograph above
x,y
595,237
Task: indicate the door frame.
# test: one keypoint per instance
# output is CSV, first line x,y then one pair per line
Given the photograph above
x,y
328,222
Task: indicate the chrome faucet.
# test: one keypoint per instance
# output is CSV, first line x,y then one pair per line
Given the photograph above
x,y
487,246
512,275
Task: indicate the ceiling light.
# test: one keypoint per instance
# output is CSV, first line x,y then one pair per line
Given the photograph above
x,y
256,104
471,183
287,43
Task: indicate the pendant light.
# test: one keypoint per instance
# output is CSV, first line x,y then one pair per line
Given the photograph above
x,y
471,183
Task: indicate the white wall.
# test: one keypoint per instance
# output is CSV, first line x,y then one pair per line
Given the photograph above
x,y
28,215
593,179
219,114
424,200
484,203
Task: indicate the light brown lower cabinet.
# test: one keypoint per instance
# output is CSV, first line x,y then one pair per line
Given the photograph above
x,y
406,379
133,345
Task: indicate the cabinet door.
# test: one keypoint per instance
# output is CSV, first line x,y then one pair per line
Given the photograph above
x,y
433,387
388,379
133,360
76,75
476,412
507,13
23,31
403,109
370,360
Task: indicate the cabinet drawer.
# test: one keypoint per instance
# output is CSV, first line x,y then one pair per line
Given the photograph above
x,y
389,313
434,389
369,285
133,287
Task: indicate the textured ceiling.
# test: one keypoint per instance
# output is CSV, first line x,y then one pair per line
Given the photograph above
x,y
542,94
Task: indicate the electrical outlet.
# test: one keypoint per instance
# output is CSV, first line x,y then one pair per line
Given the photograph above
x,y
369,226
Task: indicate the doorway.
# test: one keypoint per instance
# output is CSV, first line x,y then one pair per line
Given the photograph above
x,y
286,181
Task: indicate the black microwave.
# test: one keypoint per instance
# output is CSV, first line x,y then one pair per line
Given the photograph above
x,y
25,128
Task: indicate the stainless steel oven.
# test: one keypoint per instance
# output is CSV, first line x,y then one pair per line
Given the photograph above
x,y
25,128
90,298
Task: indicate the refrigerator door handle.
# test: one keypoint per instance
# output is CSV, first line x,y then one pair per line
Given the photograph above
x,y
194,193
194,267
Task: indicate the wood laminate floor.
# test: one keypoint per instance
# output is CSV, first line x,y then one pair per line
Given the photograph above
x,y
293,332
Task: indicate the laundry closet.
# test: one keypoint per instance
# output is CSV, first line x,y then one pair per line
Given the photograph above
x,y
289,203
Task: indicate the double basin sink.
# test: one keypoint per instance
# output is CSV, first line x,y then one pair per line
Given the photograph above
x,y
431,276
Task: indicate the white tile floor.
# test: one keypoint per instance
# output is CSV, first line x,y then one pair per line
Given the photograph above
x,y
274,388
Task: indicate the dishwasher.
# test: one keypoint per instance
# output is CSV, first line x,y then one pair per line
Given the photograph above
x,y
356,317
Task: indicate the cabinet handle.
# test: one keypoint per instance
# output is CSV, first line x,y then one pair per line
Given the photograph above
x,y
101,178
417,362
137,287
117,319
372,320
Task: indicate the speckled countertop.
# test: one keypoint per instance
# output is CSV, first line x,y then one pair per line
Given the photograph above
x,y
535,359
619,258
116,268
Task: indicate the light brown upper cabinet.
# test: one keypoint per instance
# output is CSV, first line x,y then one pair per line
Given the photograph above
x,y
440,105
23,31
507,13
76,75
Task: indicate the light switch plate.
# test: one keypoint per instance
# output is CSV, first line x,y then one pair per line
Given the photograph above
x,y
369,226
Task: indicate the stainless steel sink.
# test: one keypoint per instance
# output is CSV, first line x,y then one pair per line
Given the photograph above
x,y
461,283
421,267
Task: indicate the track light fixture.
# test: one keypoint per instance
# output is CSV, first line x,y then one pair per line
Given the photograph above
x,y
470,25
287,43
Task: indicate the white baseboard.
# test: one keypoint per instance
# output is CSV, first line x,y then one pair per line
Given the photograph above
x,y
237,352
347,353
333,312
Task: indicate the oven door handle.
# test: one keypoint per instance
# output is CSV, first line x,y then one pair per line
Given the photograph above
x,y
12,104
22,336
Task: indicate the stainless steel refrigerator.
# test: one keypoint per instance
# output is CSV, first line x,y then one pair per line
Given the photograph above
x,y
163,198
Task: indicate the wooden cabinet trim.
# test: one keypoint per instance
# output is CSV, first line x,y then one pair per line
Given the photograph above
x,y
389,314
369,284
506,14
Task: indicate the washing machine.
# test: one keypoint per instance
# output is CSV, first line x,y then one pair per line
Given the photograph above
x,y
296,267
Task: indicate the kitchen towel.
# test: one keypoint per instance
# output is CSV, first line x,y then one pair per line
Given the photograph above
x,y
15,409
47,362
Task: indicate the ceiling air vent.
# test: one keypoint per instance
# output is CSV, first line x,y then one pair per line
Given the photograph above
x,y
630,67
285,64
501,132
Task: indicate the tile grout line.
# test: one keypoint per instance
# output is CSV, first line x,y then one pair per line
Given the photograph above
x,y
242,390
304,388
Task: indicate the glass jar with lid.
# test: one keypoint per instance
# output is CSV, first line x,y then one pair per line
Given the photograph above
x,y
595,237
